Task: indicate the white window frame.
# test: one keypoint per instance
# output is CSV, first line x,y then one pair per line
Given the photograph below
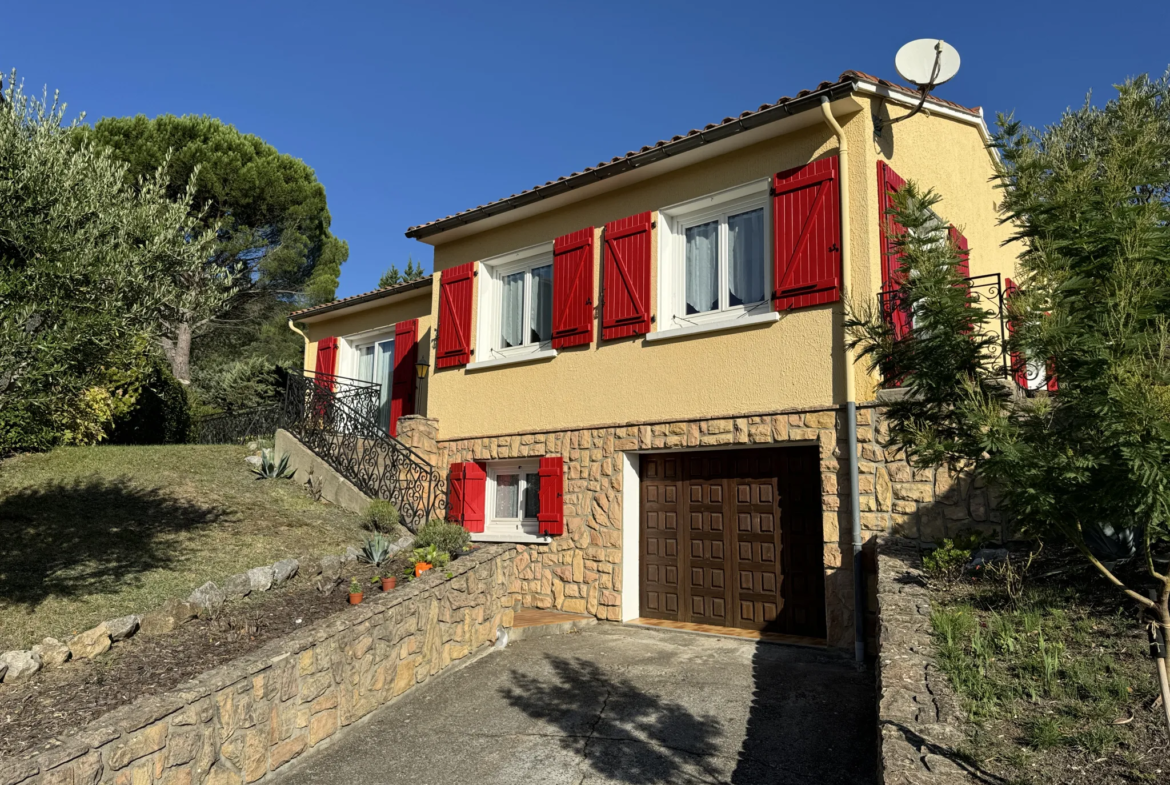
x,y
351,343
520,529
492,272
673,223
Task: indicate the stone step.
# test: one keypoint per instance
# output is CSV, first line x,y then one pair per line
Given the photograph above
x,y
537,624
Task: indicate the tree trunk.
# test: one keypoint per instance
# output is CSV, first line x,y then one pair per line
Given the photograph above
x,y
178,351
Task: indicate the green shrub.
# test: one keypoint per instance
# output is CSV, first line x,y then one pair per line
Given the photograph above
x,y
431,555
449,537
161,413
237,384
382,516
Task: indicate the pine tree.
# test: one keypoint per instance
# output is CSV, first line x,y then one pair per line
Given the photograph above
x,y
394,276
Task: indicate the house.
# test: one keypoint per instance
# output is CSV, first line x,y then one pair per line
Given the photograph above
x,y
639,371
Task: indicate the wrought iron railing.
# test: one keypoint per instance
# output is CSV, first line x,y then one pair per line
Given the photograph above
x,y
986,292
338,419
240,426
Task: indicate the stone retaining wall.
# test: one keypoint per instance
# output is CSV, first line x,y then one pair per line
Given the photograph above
x,y
237,723
920,722
581,572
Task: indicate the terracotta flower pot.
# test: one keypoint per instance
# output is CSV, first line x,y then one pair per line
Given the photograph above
x,y
355,597
389,583
421,567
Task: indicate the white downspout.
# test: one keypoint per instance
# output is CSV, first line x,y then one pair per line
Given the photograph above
x,y
297,330
850,387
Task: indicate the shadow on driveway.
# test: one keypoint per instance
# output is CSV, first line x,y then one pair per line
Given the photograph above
x,y
616,704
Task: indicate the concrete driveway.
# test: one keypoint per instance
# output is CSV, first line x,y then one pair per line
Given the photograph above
x,y
619,704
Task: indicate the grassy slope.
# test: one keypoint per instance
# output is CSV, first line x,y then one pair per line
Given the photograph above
x,y
1057,682
91,533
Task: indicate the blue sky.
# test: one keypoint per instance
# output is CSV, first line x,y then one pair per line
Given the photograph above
x,y
410,112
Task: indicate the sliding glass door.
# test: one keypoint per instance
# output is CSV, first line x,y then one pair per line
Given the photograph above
x,y
375,363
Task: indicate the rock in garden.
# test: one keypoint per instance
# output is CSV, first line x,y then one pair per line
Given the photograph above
x,y
52,652
238,586
253,446
170,615
260,578
351,554
325,584
308,567
284,570
253,460
985,557
21,665
330,567
122,628
207,597
90,643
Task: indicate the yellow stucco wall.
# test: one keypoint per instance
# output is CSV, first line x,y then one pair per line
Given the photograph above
x,y
793,363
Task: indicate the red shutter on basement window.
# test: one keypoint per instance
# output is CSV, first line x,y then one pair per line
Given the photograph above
x,y
626,277
326,366
806,214
455,493
889,183
465,495
552,496
454,345
402,390
573,289
1019,368
474,491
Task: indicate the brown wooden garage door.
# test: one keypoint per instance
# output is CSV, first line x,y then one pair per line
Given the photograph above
x,y
733,538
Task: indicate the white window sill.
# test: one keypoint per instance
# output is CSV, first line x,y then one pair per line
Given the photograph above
x,y
527,539
512,359
713,327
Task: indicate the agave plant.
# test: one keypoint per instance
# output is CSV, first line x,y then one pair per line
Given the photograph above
x,y
376,550
270,469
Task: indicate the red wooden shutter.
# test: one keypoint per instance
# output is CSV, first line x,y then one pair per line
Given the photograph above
x,y
573,289
326,365
455,493
889,183
474,490
402,390
626,277
1019,367
964,251
552,496
806,215
454,346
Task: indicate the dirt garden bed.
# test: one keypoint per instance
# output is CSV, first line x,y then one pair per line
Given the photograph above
x,y
61,700
1055,677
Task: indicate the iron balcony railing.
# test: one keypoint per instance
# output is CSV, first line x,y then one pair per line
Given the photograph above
x,y
337,418
986,292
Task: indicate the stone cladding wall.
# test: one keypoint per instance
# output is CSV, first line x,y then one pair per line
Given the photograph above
x,y
919,720
581,571
255,715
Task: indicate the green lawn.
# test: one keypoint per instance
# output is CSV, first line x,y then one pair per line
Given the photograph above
x,y
92,533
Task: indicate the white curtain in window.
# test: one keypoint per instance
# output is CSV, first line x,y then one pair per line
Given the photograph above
x,y
702,267
365,368
542,296
386,378
746,265
507,496
512,311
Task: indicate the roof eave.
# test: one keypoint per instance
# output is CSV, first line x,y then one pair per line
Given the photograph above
x,y
772,114
357,301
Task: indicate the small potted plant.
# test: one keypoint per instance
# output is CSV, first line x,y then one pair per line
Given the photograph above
x,y
355,592
387,580
427,558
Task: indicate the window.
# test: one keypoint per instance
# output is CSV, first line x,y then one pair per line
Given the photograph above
x,y
513,499
516,303
371,359
715,257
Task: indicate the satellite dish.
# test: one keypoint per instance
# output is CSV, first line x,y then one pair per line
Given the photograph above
x,y
927,62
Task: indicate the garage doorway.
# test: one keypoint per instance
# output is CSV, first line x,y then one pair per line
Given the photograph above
x,y
733,538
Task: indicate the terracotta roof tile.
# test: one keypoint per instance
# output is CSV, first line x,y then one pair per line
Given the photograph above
x,y
374,294
847,76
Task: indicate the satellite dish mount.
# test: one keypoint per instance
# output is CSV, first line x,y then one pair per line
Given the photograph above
x,y
927,63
